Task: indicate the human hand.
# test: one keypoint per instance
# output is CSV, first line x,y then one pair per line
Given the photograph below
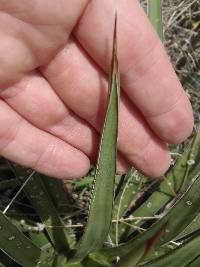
x,y
53,86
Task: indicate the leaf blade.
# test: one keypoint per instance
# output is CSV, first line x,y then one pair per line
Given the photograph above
x,y
181,256
181,174
38,195
17,245
155,16
100,214
170,221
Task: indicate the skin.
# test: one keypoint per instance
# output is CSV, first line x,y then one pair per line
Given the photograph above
x,y
54,65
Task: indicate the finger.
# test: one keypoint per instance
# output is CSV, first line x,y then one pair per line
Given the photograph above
x,y
43,108
23,143
146,73
33,98
32,32
136,141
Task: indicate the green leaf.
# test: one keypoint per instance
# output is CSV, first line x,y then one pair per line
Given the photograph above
x,y
177,178
42,202
155,16
181,256
96,260
100,214
16,245
6,261
58,194
195,263
61,200
39,238
129,188
186,206
159,251
130,261
187,209
60,261
194,155
190,229
49,258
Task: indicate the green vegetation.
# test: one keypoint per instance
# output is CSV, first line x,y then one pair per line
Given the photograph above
x,y
104,219
155,15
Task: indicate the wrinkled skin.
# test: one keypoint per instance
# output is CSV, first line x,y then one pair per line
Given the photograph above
x,y
54,65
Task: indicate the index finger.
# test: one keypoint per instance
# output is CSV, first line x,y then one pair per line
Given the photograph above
x,y
147,75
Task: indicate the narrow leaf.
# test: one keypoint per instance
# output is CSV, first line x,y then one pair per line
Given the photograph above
x,y
39,197
155,16
190,229
131,185
181,256
132,259
100,214
186,206
16,245
177,179
58,194
195,262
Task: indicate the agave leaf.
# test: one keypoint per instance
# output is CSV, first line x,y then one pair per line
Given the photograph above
x,y
62,201
48,259
130,261
16,245
190,229
5,261
166,228
131,185
195,262
189,164
58,194
60,261
194,159
154,253
181,256
39,239
100,213
155,16
177,178
187,209
42,202
129,188
96,261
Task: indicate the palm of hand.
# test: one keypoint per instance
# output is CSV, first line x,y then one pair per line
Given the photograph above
x,y
53,87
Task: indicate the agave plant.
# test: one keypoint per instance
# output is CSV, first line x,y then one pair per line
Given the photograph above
x,y
131,219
